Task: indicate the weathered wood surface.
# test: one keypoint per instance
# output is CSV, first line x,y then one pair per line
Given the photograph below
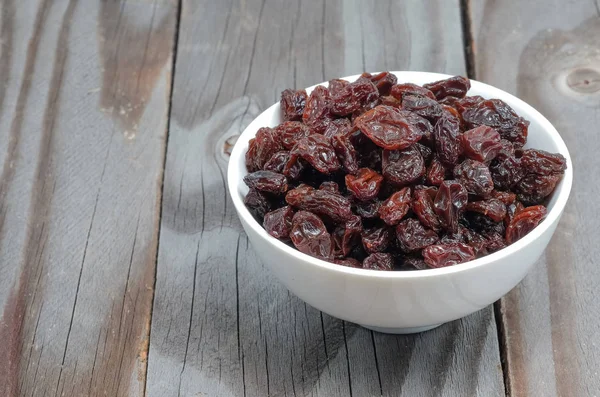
x,y
84,101
221,324
548,53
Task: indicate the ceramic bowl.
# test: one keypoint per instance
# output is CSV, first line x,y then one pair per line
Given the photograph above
x,y
404,301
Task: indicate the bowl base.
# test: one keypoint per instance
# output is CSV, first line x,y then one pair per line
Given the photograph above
x,y
400,331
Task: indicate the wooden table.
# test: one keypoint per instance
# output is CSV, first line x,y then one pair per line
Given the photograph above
x,y
124,270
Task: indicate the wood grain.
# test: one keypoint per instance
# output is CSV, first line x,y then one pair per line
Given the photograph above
x,y
84,102
222,325
548,54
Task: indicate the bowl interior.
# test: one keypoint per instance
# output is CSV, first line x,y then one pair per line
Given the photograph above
x,y
542,135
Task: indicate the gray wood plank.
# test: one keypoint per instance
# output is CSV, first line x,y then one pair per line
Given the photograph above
x,y
222,325
83,118
548,54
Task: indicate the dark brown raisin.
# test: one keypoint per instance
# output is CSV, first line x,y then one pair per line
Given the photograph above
x,y
317,150
450,202
481,143
338,127
277,162
292,104
395,207
347,235
348,262
368,209
441,255
475,177
330,186
262,148
436,172
278,223
378,261
258,204
353,97
383,81
399,90
388,128
376,239
267,181
411,263
497,114
423,207
310,236
446,135
506,173
365,184
322,202
543,163
317,113
533,189
506,197
403,167
346,153
423,106
291,132
456,86
413,236
524,222
493,208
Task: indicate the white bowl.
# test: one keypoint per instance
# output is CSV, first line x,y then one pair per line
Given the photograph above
x,y
409,301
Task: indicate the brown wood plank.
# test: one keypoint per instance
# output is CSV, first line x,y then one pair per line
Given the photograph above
x,y
222,325
548,54
84,102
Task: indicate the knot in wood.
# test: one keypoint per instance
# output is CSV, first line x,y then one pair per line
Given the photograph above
x,y
584,80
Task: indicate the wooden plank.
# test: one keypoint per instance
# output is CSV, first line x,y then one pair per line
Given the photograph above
x,y
222,325
84,103
548,54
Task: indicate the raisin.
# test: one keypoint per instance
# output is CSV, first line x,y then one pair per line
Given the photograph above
x,y
436,173
442,255
388,128
383,81
262,148
475,177
450,202
348,262
321,202
483,224
506,173
411,263
497,114
456,86
422,125
425,151
543,163
524,222
336,86
378,261
291,132
277,162
423,207
346,153
399,90
309,235
293,167
347,235
352,97
338,127
330,186
506,197
278,223
316,150
446,135
368,209
507,150
292,104
402,167
512,210
413,236
317,114
389,100
423,106
533,188
376,239
481,143
365,185
475,240
395,207
493,208
494,242
258,204
267,181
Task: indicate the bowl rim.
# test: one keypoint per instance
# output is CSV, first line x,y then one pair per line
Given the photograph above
x,y
563,191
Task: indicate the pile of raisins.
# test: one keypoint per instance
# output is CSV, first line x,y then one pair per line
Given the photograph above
x,y
379,175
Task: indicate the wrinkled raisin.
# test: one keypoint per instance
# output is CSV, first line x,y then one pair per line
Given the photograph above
x,y
436,172
398,91
346,236
403,167
365,184
456,86
368,209
413,236
423,106
348,262
423,207
475,177
450,202
291,132
278,223
388,128
441,255
258,204
497,114
346,153
292,104
379,261
543,163
446,134
383,81
376,239
533,188
317,113
330,186
493,208
481,143
524,222
267,181
262,148
395,207
309,235
317,150
506,173
322,202
353,97
338,127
